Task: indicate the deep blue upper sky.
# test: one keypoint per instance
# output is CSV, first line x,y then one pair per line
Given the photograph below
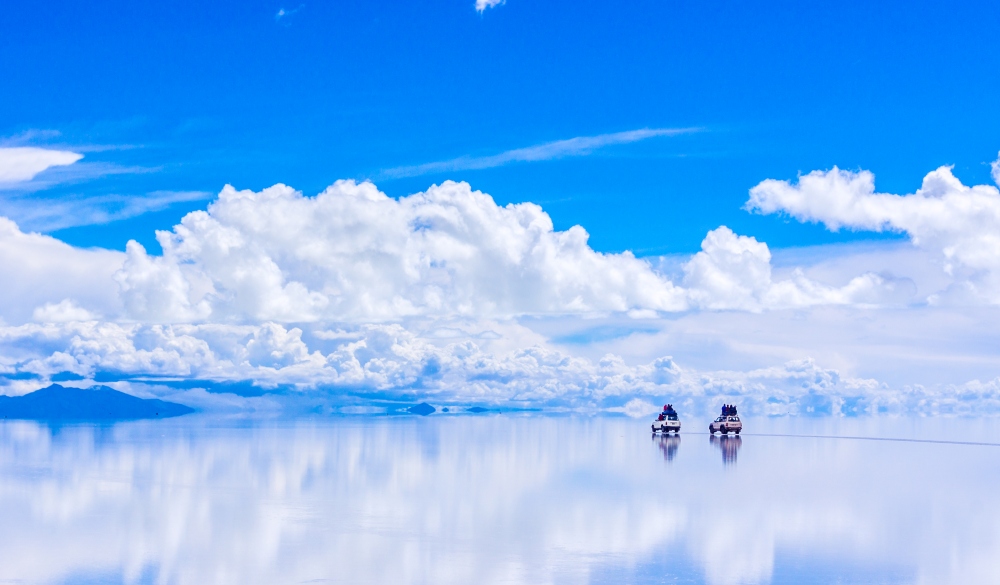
x,y
200,94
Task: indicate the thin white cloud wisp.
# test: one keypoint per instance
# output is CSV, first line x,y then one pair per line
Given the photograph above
x,y
49,214
482,5
23,163
578,146
283,15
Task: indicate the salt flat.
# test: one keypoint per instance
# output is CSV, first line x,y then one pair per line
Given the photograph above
x,y
499,498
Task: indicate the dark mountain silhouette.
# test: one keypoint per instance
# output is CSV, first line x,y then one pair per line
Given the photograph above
x,y
97,403
423,409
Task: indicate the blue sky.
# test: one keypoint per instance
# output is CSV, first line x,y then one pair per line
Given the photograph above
x,y
185,97
807,192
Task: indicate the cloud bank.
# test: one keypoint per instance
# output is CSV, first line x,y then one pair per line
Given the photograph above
x,y
352,295
352,253
396,363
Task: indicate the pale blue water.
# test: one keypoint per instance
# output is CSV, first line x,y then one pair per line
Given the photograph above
x,y
498,499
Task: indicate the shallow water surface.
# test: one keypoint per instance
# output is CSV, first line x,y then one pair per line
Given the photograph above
x,y
499,499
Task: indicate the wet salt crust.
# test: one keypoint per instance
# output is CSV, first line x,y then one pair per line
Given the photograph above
x,y
499,499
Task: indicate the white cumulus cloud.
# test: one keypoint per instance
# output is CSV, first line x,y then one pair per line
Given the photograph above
x,y
23,163
64,311
352,253
960,223
734,272
37,270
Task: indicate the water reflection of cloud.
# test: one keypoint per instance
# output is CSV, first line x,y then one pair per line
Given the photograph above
x,y
462,500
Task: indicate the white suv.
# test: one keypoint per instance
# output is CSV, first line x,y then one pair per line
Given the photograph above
x,y
667,421
726,423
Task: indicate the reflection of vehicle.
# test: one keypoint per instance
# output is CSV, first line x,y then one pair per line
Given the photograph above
x,y
667,420
669,445
729,446
726,424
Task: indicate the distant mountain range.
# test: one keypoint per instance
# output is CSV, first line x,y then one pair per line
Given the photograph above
x,y
97,403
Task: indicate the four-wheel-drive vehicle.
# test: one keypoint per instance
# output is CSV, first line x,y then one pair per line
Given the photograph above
x,y
667,421
726,424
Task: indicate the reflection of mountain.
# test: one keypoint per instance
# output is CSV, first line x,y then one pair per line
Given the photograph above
x,y
729,445
91,404
668,445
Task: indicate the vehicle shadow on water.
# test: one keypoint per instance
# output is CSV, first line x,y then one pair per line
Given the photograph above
x,y
729,445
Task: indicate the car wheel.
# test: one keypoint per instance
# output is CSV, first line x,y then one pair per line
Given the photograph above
x,y
724,430
737,431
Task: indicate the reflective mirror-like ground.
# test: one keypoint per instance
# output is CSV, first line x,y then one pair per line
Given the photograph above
x,y
499,499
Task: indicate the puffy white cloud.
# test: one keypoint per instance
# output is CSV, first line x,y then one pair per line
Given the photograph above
x,y
155,289
638,408
734,272
960,223
37,270
352,253
64,311
23,163
730,272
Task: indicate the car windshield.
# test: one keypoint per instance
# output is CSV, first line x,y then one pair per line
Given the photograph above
x,y
734,418
720,419
671,417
